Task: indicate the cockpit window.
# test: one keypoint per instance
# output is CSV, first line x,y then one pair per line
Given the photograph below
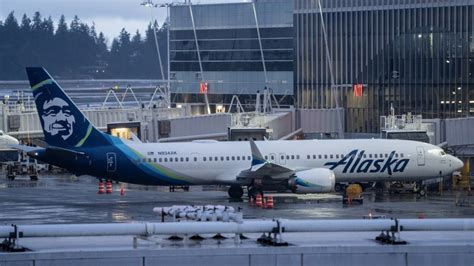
x,y
442,153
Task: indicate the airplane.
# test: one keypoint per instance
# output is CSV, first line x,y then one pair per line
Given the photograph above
x,y
7,140
303,166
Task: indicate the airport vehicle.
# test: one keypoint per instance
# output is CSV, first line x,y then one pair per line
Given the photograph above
x,y
305,166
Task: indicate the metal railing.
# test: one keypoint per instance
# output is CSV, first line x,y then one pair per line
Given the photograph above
x,y
390,229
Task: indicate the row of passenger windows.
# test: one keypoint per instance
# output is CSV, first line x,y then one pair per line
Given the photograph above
x,y
268,157
340,156
204,159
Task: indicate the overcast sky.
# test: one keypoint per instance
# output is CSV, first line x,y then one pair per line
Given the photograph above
x,y
109,16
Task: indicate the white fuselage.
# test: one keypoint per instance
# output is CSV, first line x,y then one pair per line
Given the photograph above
x,y
352,160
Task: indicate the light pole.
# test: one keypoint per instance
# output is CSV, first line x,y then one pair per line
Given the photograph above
x,y
331,73
168,22
150,4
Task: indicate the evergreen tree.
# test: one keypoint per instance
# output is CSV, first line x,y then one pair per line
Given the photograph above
x,y
9,55
77,51
25,24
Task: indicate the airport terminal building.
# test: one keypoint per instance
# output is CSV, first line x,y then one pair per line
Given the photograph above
x,y
413,54
236,48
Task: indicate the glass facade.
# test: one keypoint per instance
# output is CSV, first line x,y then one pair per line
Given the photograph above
x,y
416,55
228,49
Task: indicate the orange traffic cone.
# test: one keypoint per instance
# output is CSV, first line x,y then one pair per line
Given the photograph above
x,y
108,187
101,188
270,202
258,200
122,191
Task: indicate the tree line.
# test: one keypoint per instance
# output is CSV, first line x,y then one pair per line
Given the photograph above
x,y
77,51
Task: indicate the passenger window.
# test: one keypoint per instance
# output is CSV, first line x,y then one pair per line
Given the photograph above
x,y
216,158
365,155
386,155
396,155
325,156
160,160
297,157
182,159
187,159
282,157
401,155
238,158
154,160
233,158
308,157
292,157
222,158
227,158
250,158
273,158
204,158
337,156
210,158
381,155
166,160
288,157
266,157
330,156
375,156
319,156
370,155
195,159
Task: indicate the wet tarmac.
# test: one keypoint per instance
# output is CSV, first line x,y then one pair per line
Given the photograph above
x,y
69,199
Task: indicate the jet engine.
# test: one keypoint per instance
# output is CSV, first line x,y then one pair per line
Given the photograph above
x,y
315,180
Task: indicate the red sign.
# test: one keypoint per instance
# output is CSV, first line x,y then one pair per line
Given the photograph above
x,y
204,87
358,90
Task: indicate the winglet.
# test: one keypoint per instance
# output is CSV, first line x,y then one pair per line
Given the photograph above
x,y
257,157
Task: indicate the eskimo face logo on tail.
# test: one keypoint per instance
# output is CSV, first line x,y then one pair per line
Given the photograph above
x,y
57,118
353,163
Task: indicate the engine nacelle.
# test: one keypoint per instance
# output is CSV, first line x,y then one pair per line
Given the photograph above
x,y
315,180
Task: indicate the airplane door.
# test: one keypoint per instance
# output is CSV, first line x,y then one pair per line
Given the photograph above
x,y
420,156
111,162
282,158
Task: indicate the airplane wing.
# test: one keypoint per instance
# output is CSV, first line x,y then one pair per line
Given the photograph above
x,y
261,167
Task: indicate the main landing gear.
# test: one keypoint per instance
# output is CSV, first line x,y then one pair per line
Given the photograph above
x,y
236,191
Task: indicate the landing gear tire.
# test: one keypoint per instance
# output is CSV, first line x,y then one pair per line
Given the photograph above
x,y
338,187
422,192
236,192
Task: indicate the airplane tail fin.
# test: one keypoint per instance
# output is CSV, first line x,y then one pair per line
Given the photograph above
x,y
64,125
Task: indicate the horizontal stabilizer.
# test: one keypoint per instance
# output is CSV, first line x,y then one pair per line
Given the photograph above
x,y
23,147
